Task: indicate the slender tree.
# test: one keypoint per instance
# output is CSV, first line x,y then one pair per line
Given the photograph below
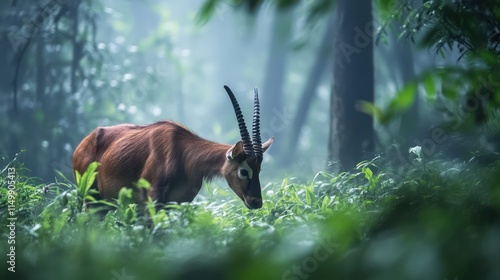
x,y
309,91
272,92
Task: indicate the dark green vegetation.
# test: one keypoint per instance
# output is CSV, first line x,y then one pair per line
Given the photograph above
x,y
428,220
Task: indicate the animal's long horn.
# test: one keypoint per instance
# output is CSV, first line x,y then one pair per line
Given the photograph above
x,y
257,142
245,137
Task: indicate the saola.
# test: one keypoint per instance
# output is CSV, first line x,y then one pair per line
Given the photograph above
x,y
174,160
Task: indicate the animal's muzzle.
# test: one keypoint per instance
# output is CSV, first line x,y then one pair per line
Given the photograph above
x,y
253,202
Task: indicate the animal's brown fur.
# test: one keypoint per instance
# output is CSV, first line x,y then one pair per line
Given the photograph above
x,y
173,159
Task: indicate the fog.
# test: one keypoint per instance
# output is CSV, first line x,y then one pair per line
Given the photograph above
x,y
142,62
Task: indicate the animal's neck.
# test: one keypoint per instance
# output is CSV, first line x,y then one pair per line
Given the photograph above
x,y
206,159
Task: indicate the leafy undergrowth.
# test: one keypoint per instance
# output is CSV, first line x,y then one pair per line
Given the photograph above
x,y
427,220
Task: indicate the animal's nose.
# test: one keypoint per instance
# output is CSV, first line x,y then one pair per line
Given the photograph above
x,y
253,202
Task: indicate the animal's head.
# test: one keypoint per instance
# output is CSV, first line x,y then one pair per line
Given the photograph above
x,y
244,158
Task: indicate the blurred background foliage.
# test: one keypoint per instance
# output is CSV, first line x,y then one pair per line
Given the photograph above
x,y
412,84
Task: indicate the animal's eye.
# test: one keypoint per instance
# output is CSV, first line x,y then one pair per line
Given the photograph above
x,y
243,174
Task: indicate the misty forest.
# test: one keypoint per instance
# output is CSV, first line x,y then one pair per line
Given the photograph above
x,y
385,162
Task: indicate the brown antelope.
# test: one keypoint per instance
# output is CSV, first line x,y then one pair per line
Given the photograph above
x,y
174,160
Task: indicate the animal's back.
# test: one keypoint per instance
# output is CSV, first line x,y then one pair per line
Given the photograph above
x,y
127,153
92,147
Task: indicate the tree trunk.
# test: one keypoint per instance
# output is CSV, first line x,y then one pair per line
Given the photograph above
x,y
351,131
275,118
40,72
309,91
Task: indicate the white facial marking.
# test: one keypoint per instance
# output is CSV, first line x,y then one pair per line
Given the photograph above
x,y
244,166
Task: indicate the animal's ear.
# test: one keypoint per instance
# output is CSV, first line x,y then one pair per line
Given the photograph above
x,y
235,151
267,144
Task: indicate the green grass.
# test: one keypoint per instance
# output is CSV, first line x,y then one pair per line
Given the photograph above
x,y
429,220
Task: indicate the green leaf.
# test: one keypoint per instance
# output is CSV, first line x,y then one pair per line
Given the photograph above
x,y
488,56
78,177
87,179
130,214
430,87
125,197
370,109
404,98
368,173
326,202
386,6
449,90
206,11
143,184
309,196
